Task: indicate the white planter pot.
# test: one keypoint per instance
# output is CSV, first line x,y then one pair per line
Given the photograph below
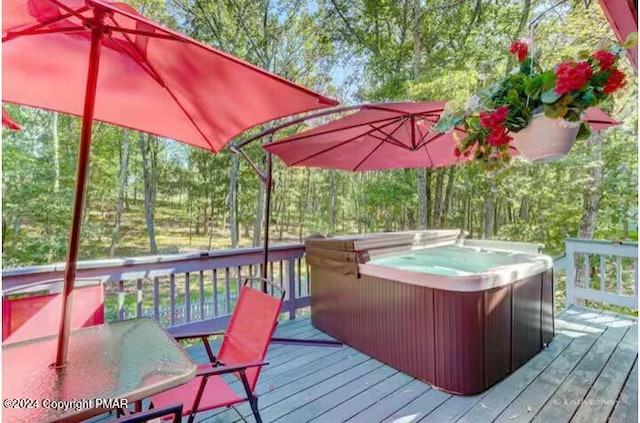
x,y
545,140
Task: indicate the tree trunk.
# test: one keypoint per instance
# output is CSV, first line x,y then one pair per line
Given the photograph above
x,y
592,193
233,201
124,161
437,202
332,202
447,195
488,212
56,151
149,169
257,227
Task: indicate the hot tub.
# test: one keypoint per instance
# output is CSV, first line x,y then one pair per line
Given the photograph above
x,y
460,315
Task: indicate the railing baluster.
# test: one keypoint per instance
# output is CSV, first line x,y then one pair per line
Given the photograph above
x,y
299,277
239,270
635,281
571,273
172,299
291,273
201,295
618,274
139,298
187,297
120,300
603,274
587,271
281,274
270,277
156,298
227,284
215,292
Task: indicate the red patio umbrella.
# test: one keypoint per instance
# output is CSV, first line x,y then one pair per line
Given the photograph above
x,y
104,61
385,136
378,136
8,122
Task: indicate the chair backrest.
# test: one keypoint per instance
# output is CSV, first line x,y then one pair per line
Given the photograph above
x,y
36,316
252,324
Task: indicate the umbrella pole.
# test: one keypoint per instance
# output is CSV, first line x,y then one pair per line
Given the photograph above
x,y
267,213
78,200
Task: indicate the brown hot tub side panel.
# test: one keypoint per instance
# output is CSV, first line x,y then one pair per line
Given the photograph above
x,y
384,320
462,342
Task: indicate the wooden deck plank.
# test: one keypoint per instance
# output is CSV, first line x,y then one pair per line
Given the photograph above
x,y
626,408
392,403
301,398
289,383
363,400
601,398
568,397
419,407
491,403
319,406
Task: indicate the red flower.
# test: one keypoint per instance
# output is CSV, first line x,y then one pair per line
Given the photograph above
x,y
605,58
572,76
498,137
457,152
494,119
616,80
520,49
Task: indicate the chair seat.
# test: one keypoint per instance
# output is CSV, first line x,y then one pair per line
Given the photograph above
x,y
217,393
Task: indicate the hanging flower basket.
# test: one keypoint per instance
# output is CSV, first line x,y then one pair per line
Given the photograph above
x,y
546,139
536,110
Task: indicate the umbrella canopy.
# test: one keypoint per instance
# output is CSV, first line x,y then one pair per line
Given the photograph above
x,y
378,136
385,136
599,120
102,60
8,122
150,78
623,18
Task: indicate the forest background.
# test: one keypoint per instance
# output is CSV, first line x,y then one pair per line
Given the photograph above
x,y
148,195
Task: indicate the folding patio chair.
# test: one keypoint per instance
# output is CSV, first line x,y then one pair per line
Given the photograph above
x,y
242,352
175,411
39,315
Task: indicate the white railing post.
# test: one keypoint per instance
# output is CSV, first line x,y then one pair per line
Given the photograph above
x,y
571,273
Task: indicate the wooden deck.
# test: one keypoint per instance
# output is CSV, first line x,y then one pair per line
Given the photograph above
x,y
587,374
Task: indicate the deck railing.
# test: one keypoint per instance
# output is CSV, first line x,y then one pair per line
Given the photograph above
x,y
198,290
183,292
601,271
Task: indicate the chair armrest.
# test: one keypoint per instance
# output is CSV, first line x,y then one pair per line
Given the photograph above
x,y
190,335
154,413
220,370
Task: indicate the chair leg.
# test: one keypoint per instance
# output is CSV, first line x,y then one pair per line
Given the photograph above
x,y
253,402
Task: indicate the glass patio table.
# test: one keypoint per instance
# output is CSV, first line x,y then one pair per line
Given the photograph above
x,y
128,360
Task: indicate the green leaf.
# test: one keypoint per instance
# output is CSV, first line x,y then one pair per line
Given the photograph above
x,y
632,40
555,111
583,132
550,96
584,54
533,86
548,80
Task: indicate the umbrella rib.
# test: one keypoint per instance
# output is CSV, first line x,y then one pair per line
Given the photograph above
x,y
306,135
64,30
152,72
333,147
424,144
144,33
368,155
389,136
27,31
